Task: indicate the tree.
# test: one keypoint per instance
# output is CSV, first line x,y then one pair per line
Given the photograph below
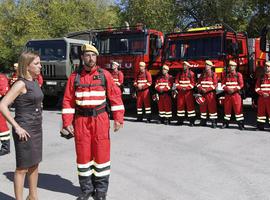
x,y
22,20
158,14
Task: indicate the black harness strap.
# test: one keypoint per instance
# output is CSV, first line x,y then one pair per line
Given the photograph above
x,y
91,112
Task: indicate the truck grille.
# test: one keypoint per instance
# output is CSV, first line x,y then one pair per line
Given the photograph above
x,y
48,70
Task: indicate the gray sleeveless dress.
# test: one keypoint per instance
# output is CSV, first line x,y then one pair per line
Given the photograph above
x,y
28,114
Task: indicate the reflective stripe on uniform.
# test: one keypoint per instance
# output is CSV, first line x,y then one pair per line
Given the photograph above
x,y
68,111
119,107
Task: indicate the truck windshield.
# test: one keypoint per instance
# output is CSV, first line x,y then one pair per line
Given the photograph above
x,y
49,49
122,43
199,48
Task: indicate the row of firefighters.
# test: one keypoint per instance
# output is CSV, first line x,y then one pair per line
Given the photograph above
x,y
182,88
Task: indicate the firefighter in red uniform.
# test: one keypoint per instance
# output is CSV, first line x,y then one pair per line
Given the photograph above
x,y
207,84
185,82
163,87
232,83
142,82
263,90
4,130
118,76
84,108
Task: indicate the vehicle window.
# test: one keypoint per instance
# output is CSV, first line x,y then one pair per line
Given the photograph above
x,y
121,44
201,48
49,49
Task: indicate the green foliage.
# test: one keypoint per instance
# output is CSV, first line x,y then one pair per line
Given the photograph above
x,y
158,14
242,15
22,20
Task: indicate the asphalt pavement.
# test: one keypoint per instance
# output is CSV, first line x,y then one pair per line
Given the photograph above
x,y
158,162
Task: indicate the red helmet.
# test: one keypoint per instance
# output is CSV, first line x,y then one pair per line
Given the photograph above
x,y
200,100
221,100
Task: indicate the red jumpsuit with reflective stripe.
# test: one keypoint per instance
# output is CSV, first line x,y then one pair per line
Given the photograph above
x,y
233,101
163,86
208,82
118,77
263,86
4,87
92,138
143,96
185,83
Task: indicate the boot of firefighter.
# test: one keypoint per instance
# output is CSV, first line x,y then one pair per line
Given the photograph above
x,y
203,122
148,118
99,196
166,121
192,121
260,126
214,123
241,125
139,118
86,187
180,121
5,149
225,124
161,120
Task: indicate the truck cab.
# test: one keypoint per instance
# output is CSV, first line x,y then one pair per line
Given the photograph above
x,y
215,43
128,46
59,58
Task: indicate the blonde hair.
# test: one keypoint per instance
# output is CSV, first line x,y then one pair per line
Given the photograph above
x,y
25,59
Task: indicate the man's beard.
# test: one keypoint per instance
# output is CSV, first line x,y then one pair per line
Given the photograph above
x,y
90,64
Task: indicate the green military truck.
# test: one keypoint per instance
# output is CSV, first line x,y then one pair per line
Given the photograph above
x,y
59,58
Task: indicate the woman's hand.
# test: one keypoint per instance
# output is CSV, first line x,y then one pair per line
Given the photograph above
x,y
23,134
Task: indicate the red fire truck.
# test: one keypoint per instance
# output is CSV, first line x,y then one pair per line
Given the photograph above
x,y
218,43
128,46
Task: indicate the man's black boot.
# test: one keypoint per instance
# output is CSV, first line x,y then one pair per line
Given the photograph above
x,y
180,122
225,125
86,187
85,196
214,123
5,149
99,196
241,125
148,119
203,122
166,121
160,120
192,122
139,119
260,126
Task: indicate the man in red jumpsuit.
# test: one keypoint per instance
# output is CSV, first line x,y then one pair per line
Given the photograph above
x,y
4,130
232,83
142,82
185,82
118,76
85,116
263,90
207,84
163,87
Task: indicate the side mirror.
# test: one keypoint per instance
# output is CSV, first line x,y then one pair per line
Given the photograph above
x,y
159,43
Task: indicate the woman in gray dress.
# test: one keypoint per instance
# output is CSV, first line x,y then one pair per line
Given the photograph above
x,y
27,124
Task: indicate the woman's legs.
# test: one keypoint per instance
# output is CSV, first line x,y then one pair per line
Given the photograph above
x,y
19,182
33,180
